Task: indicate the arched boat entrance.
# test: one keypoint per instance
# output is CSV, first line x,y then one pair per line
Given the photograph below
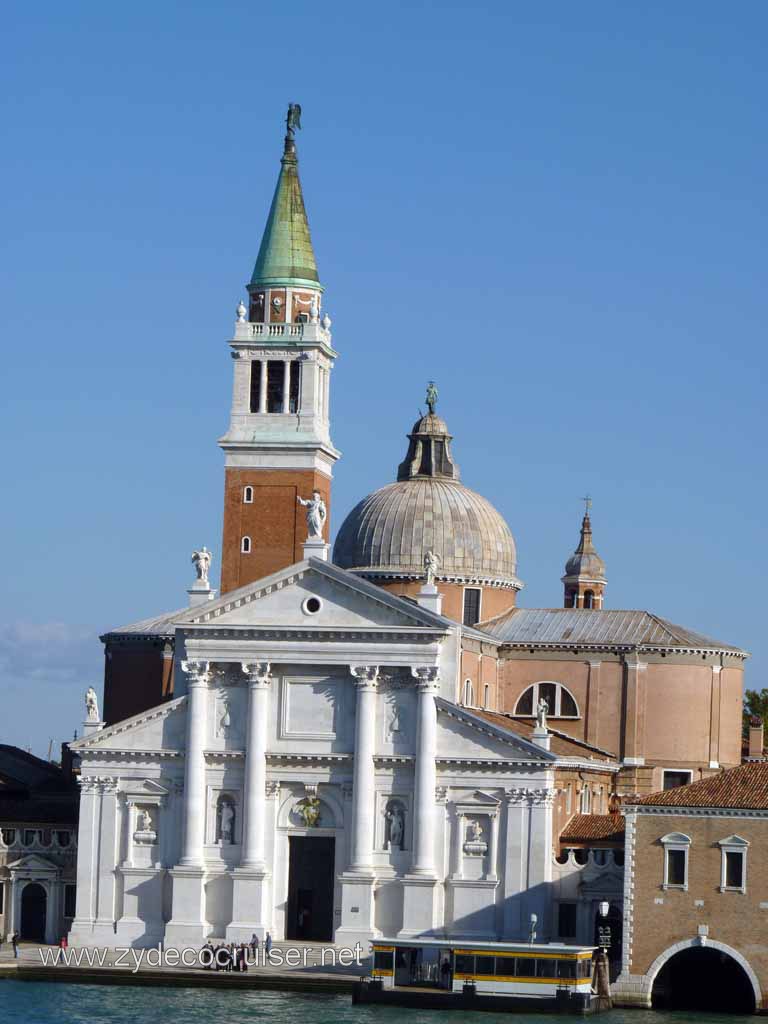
x,y
703,978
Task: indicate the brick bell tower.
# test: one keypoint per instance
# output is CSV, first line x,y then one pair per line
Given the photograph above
x,y
278,446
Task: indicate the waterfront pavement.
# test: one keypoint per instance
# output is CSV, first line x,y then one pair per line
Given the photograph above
x,y
34,963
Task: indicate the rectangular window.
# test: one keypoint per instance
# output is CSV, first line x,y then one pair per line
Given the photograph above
x,y
484,965
675,873
255,385
2,898
584,968
275,380
566,968
734,869
546,968
70,893
383,961
465,964
673,779
471,606
294,395
505,967
566,920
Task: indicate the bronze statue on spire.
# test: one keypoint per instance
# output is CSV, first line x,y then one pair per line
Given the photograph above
x,y
431,398
293,118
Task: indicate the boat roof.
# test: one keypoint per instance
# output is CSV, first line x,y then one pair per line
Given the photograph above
x,y
486,947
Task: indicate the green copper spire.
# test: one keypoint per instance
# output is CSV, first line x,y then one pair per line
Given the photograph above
x,y
286,256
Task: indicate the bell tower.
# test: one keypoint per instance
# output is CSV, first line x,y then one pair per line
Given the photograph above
x,y
278,446
584,581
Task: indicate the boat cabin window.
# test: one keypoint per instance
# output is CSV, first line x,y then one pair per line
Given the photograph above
x,y
382,960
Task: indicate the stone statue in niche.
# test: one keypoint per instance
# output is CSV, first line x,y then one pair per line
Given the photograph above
x,y
475,845
395,827
226,822
144,820
393,725
225,718
91,705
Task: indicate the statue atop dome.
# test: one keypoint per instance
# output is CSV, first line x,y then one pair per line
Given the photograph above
x,y
431,398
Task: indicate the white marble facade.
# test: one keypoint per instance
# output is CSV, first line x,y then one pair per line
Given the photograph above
x,y
335,725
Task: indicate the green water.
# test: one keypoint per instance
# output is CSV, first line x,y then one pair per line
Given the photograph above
x,y
24,1002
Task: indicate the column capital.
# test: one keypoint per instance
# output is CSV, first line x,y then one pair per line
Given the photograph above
x,y
427,676
365,676
198,672
259,672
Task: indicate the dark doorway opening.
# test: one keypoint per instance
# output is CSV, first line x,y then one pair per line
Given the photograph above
x,y
703,979
33,905
310,888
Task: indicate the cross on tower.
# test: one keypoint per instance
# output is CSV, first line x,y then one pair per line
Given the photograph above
x,y
587,499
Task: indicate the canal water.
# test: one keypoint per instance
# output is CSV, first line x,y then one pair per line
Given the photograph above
x,y
24,1002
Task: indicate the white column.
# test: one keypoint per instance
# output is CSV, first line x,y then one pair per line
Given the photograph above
x,y
458,846
198,674
493,852
364,778
258,674
108,847
87,861
426,773
263,384
286,384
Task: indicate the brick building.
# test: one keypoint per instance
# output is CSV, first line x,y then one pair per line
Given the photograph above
x,y
696,895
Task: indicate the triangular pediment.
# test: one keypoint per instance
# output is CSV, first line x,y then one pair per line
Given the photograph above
x,y
33,863
314,595
161,728
462,735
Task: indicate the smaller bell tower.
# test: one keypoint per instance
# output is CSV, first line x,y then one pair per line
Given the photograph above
x,y
278,446
584,581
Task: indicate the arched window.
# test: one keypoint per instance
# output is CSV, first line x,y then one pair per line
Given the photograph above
x,y
589,599
586,801
486,696
560,701
469,695
245,545
248,495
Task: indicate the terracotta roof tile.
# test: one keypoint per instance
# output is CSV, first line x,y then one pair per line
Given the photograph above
x,y
584,827
745,787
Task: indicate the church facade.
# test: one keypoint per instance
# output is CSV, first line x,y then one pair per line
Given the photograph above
x,y
378,742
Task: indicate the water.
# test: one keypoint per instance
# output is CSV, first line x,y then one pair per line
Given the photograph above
x,y
23,1002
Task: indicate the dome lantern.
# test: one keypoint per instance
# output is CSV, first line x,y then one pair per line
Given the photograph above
x,y
387,535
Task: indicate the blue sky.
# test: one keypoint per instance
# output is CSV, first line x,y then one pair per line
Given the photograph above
x,y
558,211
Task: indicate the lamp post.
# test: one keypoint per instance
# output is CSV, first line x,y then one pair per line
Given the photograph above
x,y
532,929
604,929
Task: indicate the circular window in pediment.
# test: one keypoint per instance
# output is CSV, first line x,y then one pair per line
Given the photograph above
x,y
312,606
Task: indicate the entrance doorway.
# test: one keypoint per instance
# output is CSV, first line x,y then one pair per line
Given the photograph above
x,y
703,978
34,900
310,888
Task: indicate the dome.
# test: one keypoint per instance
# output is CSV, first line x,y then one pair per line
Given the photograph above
x,y
588,563
391,530
428,509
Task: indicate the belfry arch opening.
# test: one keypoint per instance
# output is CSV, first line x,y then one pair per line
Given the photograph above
x,y
703,978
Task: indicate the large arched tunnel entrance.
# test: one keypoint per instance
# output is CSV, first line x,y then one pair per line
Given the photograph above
x,y
702,978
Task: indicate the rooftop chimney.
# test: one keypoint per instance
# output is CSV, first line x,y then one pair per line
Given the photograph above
x,y
756,729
